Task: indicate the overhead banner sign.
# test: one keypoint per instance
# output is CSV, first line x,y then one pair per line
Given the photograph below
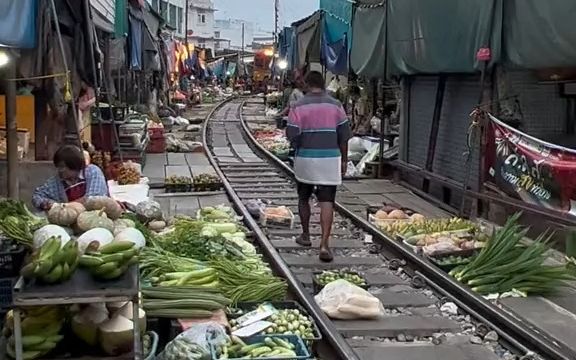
x,y
533,170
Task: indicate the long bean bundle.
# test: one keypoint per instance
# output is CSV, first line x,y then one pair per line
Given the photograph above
x,y
505,264
248,281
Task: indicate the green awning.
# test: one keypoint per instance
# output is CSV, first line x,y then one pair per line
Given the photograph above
x,y
368,45
431,37
540,33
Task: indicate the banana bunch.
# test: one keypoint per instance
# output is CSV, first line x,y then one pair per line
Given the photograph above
x,y
53,263
111,260
41,327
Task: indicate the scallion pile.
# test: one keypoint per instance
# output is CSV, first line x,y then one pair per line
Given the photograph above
x,y
506,264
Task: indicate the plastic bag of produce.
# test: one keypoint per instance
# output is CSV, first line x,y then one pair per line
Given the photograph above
x,y
343,300
194,343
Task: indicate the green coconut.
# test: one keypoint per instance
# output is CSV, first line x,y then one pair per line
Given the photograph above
x,y
127,312
85,323
116,336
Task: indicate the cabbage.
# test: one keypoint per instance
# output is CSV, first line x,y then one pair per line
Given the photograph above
x,y
132,235
116,335
85,324
99,235
48,231
239,239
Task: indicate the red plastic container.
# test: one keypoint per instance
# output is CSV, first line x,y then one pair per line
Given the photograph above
x,y
156,133
156,145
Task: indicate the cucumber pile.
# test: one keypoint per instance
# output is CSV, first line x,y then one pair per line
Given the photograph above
x,y
110,261
327,277
270,347
184,348
53,263
287,322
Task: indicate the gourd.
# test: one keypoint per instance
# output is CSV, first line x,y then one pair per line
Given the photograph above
x,y
111,207
132,235
122,224
98,235
65,214
94,219
48,231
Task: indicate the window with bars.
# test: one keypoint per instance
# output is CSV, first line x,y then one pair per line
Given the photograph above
x,y
155,5
172,16
180,19
164,9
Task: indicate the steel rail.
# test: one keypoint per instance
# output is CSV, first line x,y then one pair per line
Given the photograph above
x,y
504,323
329,331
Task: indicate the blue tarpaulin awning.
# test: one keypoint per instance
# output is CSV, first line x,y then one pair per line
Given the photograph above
x,y
18,23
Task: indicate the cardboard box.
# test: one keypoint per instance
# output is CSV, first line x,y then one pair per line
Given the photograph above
x,y
23,139
25,113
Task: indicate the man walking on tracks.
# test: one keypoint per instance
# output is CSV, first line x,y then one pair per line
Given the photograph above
x,y
319,131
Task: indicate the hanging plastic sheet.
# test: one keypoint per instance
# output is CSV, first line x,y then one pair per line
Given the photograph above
x,y
135,40
231,71
337,19
120,15
309,39
540,34
335,55
18,23
443,37
368,31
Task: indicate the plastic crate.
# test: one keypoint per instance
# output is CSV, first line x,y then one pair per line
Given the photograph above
x,y
317,287
300,348
11,261
279,305
6,286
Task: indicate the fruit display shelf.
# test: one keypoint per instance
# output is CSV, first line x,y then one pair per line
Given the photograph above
x,y
82,288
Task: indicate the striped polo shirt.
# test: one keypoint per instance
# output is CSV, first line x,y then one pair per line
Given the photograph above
x,y
317,126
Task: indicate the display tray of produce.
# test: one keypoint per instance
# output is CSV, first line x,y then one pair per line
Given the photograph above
x,y
279,216
274,347
82,287
446,242
287,312
323,278
207,182
403,230
178,184
450,261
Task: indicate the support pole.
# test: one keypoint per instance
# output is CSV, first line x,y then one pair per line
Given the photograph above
x,y
186,24
435,128
12,130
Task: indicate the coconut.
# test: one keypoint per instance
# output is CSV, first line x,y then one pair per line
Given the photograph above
x,y
126,311
116,335
85,323
113,307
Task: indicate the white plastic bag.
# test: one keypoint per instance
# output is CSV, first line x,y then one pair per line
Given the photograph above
x,y
345,301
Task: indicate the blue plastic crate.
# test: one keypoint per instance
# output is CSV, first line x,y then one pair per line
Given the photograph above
x,y
300,349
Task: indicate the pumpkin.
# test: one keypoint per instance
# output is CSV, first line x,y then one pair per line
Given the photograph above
x,y
111,207
65,214
98,235
381,215
122,224
46,232
94,219
397,215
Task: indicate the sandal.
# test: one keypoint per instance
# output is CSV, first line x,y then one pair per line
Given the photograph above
x,y
304,240
326,255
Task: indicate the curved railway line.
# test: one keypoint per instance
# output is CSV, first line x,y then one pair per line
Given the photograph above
x,y
420,322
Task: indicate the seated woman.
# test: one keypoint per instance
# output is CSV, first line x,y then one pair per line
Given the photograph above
x,y
75,182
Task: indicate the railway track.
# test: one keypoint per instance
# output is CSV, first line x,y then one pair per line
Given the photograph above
x,y
425,318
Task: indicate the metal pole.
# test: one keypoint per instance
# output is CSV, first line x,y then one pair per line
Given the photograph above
x,y
242,42
67,69
186,25
12,130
